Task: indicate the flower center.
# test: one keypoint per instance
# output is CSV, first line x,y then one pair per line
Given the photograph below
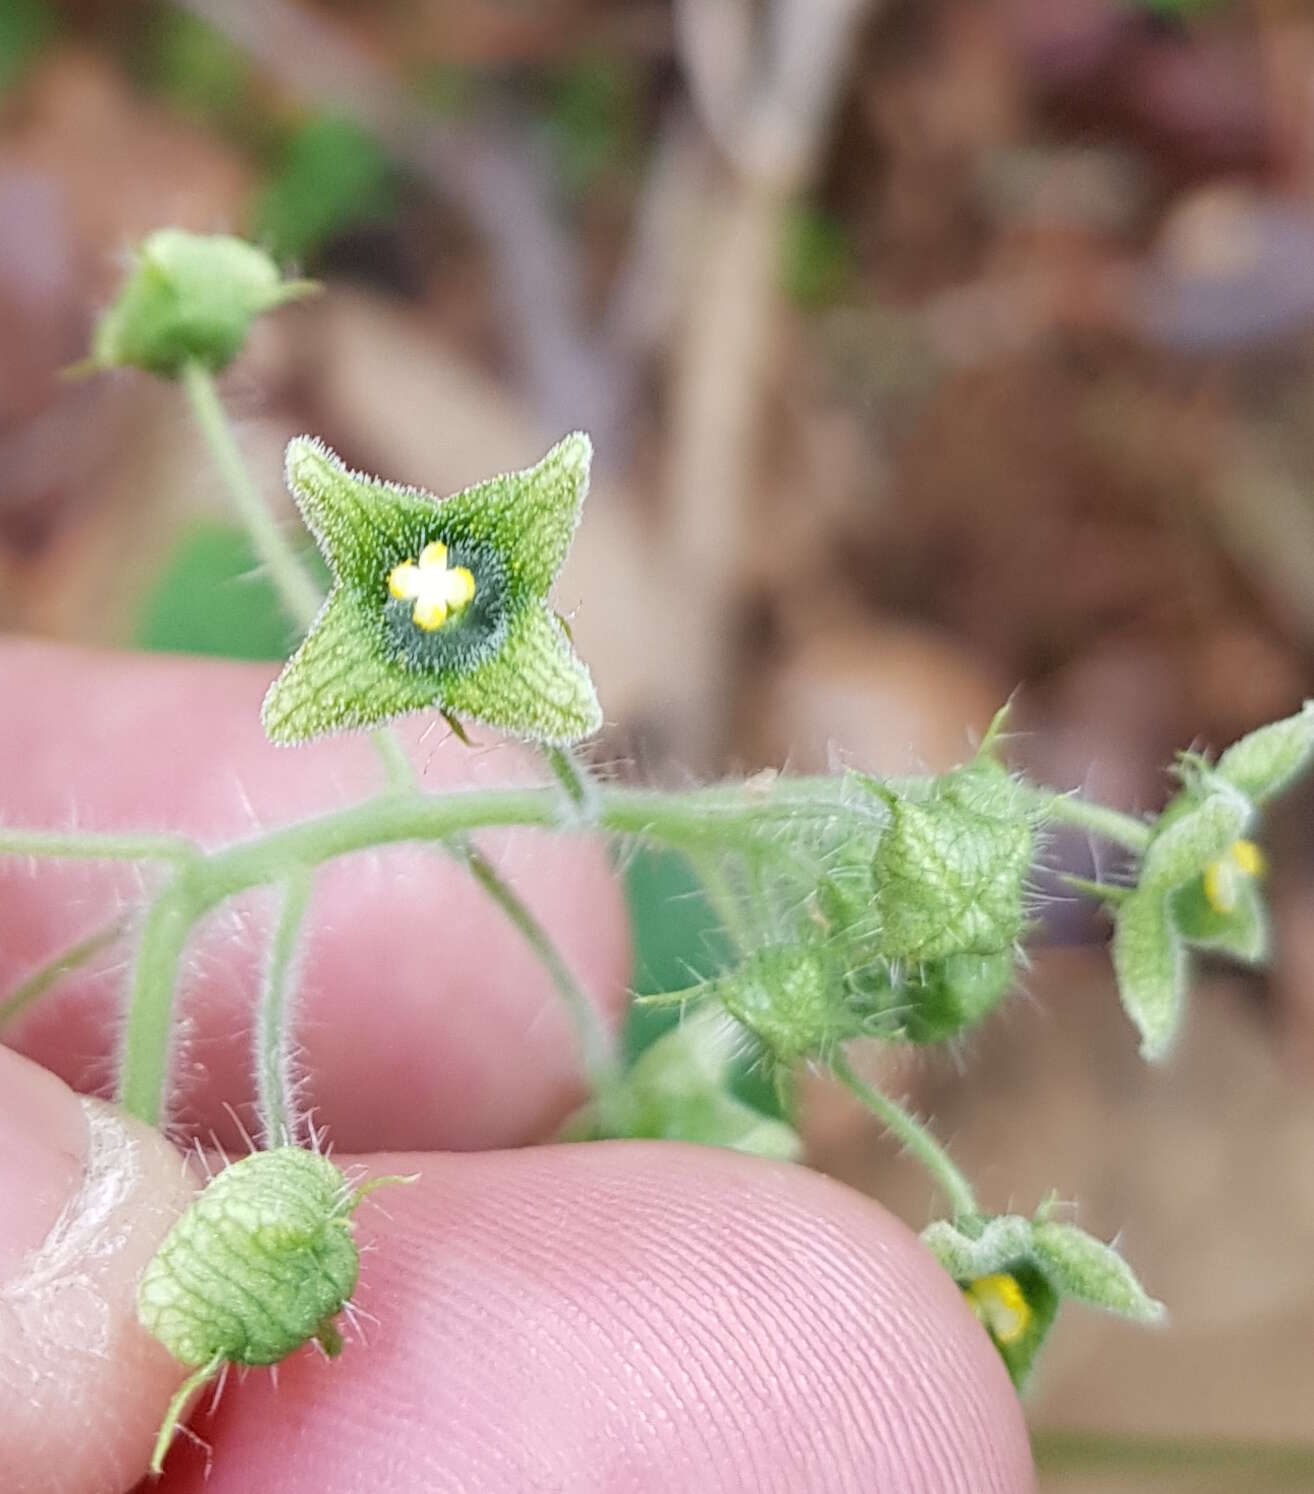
x,y
1223,878
999,1303
438,591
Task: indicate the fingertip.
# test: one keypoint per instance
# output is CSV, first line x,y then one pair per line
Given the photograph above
x,y
636,1317
85,1386
424,1019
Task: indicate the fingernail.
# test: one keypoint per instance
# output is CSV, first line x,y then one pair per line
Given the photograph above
x,y
43,1147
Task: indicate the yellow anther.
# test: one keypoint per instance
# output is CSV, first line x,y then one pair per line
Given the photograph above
x,y
429,614
1222,878
1249,858
403,580
462,586
436,591
999,1303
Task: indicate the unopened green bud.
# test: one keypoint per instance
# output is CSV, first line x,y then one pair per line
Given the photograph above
x,y
953,995
949,873
792,1000
261,1263
189,298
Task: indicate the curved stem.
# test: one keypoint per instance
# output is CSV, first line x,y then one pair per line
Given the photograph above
x,y
295,586
595,1043
914,1136
178,1407
144,1066
46,977
275,1089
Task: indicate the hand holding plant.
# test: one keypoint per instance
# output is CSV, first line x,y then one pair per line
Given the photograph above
x,y
859,909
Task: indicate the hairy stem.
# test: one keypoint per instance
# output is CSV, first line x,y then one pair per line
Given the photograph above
x,y
46,977
144,1064
298,593
1098,819
296,588
275,1089
595,1043
92,845
574,778
914,1136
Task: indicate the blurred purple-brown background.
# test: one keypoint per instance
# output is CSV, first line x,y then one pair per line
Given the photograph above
x,y
931,349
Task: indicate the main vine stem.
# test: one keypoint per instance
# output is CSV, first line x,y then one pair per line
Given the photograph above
x,y
740,818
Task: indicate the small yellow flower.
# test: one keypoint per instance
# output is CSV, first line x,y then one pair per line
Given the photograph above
x,y
437,590
1222,878
1000,1305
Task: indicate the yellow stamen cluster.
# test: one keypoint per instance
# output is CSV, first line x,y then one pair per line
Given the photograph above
x,y
437,590
1223,878
1000,1305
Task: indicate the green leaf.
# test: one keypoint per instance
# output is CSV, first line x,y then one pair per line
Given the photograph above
x,y
498,655
333,177
212,598
1086,1270
1242,933
1194,837
26,29
1269,760
1149,961
535,685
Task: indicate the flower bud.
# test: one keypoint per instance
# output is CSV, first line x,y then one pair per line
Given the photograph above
x,y
189,298
953,995
949,873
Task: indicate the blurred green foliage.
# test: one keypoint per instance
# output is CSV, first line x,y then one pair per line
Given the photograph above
x,y
26,28
332,176
211,598
201,73
816,259
593,120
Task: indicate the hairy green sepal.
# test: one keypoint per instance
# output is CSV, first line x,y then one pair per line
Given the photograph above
x,y
1169,912
189,298
949,873
506,660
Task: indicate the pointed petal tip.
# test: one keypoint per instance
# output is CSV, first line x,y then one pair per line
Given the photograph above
x,y
306,459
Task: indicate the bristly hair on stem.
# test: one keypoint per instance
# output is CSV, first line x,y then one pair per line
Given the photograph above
x,y
276,1088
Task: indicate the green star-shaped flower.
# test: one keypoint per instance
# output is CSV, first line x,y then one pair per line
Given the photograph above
x,y
438,603
1198,882
1014,1272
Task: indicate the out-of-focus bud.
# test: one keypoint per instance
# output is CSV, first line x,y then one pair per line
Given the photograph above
x,y
189,298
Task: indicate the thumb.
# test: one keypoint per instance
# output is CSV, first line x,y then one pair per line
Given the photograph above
x,y
86,1195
